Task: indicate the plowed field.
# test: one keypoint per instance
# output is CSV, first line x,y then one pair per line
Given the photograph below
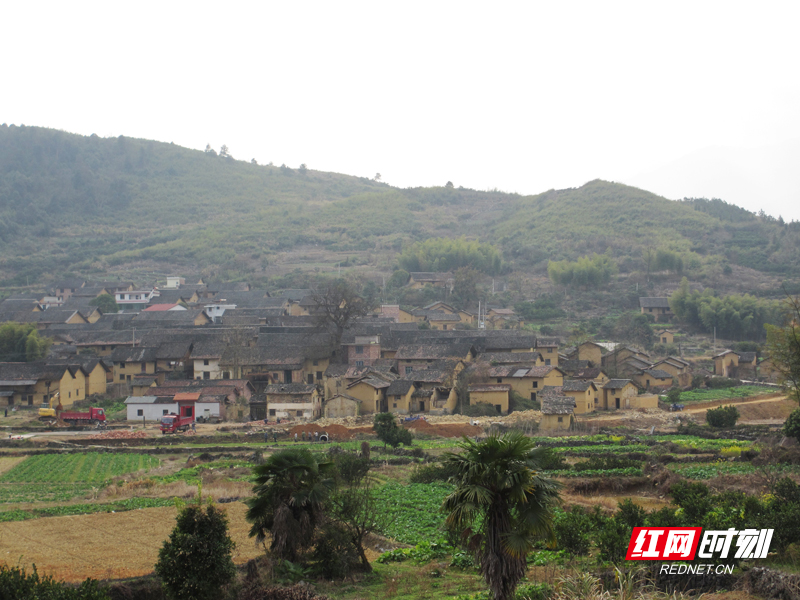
x,y
107,545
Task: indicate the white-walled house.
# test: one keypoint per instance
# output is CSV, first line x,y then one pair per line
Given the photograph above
x,y
149,408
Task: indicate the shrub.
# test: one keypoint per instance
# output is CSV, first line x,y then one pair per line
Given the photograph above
x,y
694,499
16,584
572,530
518,402
334,553
431,473
550,460
697,381
674,395
724,416
534,591
791,428
195,562
722,382
481,409
463,560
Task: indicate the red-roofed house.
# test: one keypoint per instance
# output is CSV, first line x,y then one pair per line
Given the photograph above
x,y
163,307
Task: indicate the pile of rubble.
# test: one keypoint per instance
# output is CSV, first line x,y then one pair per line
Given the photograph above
x,y
120,434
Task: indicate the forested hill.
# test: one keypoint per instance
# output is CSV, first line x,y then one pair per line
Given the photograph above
x,y
83,205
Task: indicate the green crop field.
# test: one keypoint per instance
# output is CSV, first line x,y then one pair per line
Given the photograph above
x,y
413,511
60,477
742,391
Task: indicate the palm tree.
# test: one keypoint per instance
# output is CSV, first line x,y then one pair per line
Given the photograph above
x,y
500,506
289,494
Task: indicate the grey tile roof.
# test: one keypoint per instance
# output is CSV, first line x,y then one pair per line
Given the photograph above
x,y
654,302
576,385
616,384
399,387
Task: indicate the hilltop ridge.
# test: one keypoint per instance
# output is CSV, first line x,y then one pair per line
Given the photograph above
x,y
71,203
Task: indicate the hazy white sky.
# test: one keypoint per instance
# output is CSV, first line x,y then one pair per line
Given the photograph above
x,y
521,96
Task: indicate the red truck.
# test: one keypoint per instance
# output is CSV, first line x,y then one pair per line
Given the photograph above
x,y
173,423
94,416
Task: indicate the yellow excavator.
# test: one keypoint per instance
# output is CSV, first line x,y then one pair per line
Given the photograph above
x,y
50,415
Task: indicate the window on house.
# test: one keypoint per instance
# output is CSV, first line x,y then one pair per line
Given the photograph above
x,y
560,419
102,347
533,396
535,384
499,380
206,375
310,379
394,405
140,412
546,362
144,367
165,412
316,363
359,363
299,413
319,375
122,377
409,370
271,412
226,375
359,349
205,362
69,394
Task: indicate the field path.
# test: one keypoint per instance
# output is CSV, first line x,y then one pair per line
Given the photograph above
x,y
696,408
105,545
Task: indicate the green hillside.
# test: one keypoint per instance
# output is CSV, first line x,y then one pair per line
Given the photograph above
x,y
87,205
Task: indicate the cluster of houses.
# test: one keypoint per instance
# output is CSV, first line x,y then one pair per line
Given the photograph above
x,y
238,353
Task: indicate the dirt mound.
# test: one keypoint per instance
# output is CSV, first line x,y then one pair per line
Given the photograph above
x,y
444,429
335,432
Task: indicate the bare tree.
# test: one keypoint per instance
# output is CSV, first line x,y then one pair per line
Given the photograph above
x,y
337,305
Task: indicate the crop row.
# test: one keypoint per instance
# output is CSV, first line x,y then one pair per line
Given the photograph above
x,y
623,472
710,470
85,509
89,467
41,492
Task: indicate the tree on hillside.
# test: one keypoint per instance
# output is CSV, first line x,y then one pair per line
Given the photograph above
x,y
20,342
290,492
338,304
224,152
106,303
465,286
501,506
783,346
635,328
195,562
385,426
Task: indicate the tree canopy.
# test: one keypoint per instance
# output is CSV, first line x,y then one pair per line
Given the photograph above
x,y
385,426
290,490
735,316
106,303
20,342
594,270
446,254
783,345
195,562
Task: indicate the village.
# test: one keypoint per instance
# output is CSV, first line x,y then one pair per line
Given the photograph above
x,y
228,353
